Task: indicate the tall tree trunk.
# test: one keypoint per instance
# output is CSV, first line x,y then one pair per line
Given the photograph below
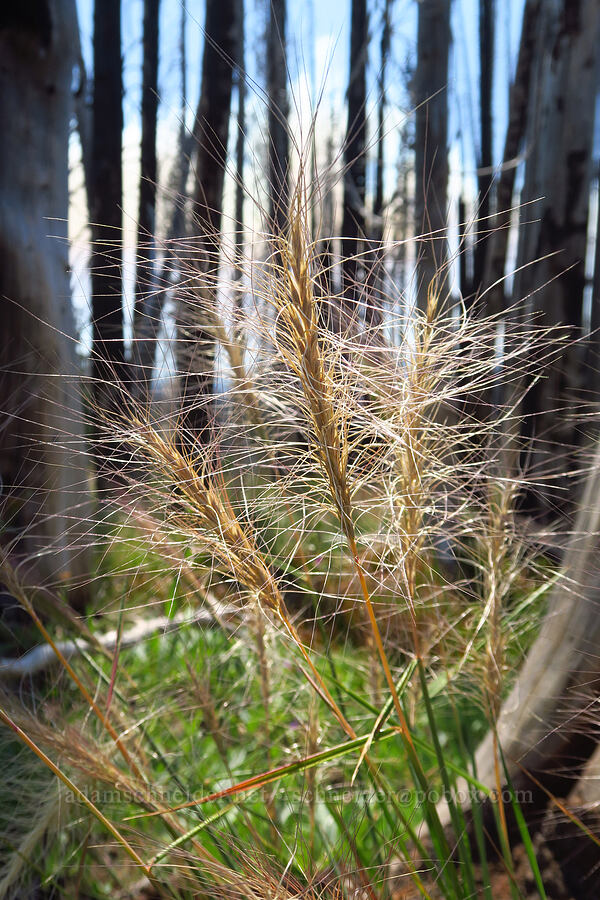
x,y
278,116
239,150
431,140
517,118
43,483
211,126
384,51
353,222
145,284
487,10
593,342
315,207
211,133
375,275
184,141
405,216
178,178
465,257
559,169
326,262
105,209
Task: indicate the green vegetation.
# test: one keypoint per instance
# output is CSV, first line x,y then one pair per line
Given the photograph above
x,y
369,595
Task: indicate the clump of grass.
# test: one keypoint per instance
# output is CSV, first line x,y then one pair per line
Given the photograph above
x,y
360,465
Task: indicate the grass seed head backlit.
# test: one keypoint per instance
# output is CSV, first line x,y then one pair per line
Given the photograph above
x,y
346,519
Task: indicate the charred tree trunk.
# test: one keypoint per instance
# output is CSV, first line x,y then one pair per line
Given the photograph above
x,y
144,330
405,215
375,275
277,116
484,177
353,222
184,142
559,169
105,201
593,343
211,126
326,262
211,134
497,245
43,495
239,148
431,141
154,300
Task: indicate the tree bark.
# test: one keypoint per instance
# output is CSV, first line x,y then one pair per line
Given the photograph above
x,y
405,214
593,342
105,193
144,330
376,274
559,169
211,133
211,126
155,300
185,140
240,151
43,465
431,141
487,11
495,263
353,222
278,112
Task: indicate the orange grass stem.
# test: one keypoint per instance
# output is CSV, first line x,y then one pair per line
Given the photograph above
x,y
319,685
378,641
4,717
84,691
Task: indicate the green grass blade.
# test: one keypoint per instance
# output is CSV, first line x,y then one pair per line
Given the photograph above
x,y
300,765
190,834
523,830
384,714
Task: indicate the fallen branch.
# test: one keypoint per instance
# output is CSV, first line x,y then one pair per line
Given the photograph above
x,y
41,657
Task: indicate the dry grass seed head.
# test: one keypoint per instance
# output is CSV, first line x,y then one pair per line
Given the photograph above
x,y
195,503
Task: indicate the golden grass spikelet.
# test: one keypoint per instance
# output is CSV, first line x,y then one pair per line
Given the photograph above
x,y
198,506
45,818
91,758
302,349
